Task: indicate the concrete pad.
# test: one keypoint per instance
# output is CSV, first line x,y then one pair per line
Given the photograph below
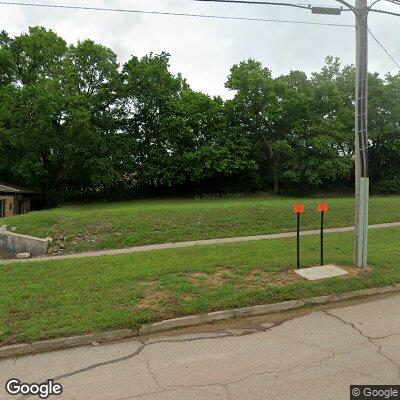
x,y
321,272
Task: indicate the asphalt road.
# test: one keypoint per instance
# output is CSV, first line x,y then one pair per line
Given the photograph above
x,y
307,355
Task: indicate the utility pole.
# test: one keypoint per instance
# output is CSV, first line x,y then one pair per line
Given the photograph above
x,y
361,10
361,136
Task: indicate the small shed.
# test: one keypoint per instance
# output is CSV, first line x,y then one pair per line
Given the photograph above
x,y
14,200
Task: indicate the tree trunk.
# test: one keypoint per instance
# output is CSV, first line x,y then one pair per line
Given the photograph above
x,y
276,185
274,165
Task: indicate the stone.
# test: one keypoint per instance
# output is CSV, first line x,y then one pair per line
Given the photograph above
x,y
22,256
321,272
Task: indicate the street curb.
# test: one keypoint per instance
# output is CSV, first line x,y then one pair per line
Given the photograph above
x,y
64,343
193,320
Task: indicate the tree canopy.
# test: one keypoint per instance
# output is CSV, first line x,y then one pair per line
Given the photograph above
x,y
74,123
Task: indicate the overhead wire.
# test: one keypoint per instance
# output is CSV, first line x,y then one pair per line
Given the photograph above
x,y
384,49
251,2
384,12
179,14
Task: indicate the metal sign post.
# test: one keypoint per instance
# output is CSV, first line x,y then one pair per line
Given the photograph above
x,y
298,209
322,208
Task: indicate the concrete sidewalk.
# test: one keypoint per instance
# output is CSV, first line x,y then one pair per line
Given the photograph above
x,y
177,245
302,355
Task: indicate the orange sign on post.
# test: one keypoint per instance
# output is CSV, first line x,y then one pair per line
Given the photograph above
x,y
298,208
323,207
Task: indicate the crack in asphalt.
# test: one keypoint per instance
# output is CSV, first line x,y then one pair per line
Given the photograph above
x,y
334,354
93,366
177,388
227,334
370,340
152,373
225,384
143,345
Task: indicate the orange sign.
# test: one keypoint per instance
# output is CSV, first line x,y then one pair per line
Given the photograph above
x,y
323,207
298,208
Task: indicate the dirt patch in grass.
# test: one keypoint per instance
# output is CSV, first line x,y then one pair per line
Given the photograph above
x,y
216,279
280,278
186,297
89,235
158,299
250,280
286,277
92,232
353,271
153,298
255,278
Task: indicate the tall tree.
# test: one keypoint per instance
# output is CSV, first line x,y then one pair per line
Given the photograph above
x,y
256,110
57,113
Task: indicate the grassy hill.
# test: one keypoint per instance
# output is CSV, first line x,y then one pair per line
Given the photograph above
x,y
110,225
70,297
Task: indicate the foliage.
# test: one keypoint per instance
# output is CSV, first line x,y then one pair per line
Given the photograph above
x,y
75,124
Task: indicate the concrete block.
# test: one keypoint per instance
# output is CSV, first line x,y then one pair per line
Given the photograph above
x,y
12,244
321,272
22,256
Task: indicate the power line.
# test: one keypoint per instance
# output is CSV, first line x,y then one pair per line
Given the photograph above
x,y
268,3
122,10
264,3
385,12
383,48
397,2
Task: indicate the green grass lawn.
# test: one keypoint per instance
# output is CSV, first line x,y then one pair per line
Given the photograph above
x,y
109,225
46,299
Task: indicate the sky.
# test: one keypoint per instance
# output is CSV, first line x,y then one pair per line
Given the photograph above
x,y
204,50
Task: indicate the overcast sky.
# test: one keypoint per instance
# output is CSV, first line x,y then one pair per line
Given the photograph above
x,y
204,50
